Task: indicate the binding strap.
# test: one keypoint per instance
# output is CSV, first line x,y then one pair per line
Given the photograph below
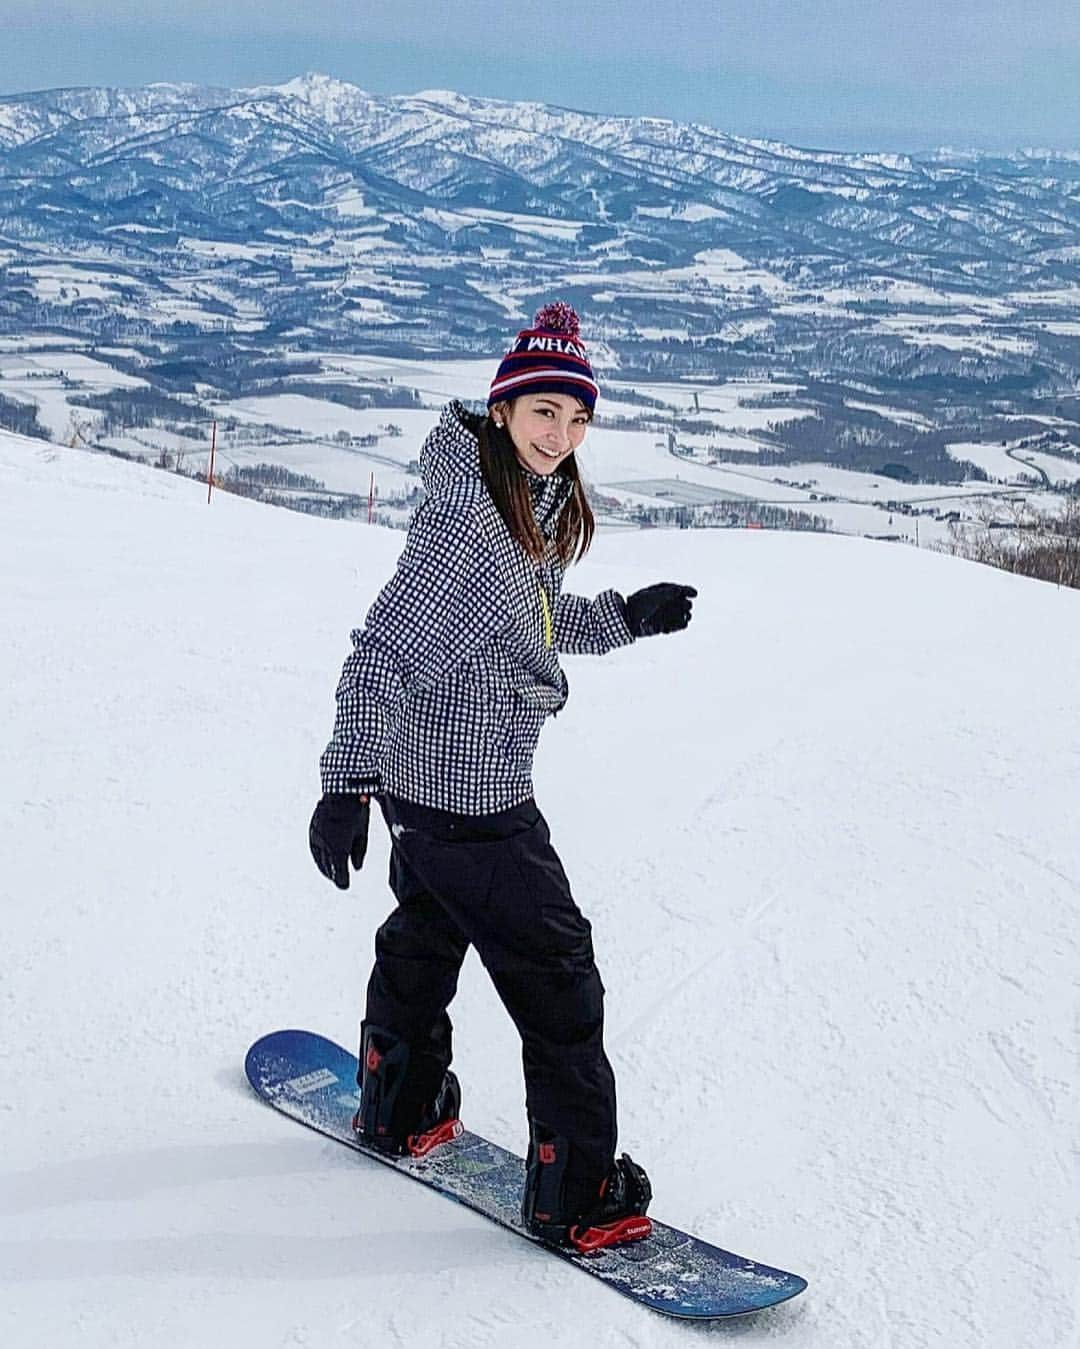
x,y
589,1239
419,1145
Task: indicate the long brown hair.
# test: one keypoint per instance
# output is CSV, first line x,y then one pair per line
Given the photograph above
x,y
509,489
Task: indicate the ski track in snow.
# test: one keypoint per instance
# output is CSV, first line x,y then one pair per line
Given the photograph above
x,y
828,842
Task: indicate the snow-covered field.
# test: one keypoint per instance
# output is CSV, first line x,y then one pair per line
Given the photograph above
x,y
1015,467
839,944
613,460
319,417
971,335
724,403
1057,468
901,415
46,375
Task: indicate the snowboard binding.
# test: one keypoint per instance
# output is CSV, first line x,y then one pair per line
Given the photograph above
x,y
565,1210
384,1120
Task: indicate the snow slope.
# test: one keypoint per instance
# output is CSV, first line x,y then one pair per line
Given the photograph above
x,y
827,838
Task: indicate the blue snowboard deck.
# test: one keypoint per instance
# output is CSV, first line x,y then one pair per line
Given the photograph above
x,y
313,1080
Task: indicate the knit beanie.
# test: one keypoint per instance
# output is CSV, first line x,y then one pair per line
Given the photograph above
x,y
546,358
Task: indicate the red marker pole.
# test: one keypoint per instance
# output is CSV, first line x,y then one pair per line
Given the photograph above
x,y
210,474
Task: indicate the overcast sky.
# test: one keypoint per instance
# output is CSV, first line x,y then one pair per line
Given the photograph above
x,y
902,74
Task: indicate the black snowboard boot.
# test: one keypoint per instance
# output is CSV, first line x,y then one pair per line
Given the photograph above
x,y
563,1206
387,1119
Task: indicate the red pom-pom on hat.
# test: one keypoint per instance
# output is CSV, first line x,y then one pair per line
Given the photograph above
x,y
558,317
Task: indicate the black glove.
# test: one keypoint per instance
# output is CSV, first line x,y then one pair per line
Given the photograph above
x,y
338,832
660,608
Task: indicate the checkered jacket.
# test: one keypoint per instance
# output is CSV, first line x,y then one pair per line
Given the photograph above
x,y
451,677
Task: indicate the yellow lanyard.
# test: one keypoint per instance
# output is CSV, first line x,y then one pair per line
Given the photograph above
x,y
549,635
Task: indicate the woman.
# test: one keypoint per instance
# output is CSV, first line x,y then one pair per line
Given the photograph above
x,y
439,709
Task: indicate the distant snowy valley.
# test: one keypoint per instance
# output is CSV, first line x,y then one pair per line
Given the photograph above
x,y
346,443
874,343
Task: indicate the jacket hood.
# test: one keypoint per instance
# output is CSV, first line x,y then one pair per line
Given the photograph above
x,y
451,452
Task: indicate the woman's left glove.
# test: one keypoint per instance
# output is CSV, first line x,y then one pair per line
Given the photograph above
x,y
338,832
664,607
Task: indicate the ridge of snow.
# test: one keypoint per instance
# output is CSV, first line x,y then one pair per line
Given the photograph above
x,y
839,941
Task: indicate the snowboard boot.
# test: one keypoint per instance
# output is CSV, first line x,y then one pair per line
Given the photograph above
x,y
565,1209
385,1120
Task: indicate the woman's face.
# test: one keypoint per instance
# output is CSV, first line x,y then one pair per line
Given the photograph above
x,y
545,428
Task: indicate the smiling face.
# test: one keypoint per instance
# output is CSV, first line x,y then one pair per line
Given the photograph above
x,y
545,428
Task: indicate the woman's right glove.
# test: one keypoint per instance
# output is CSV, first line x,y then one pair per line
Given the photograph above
x,y
664,607
338,832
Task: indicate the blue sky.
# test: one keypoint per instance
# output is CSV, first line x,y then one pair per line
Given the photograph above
x,y
911,74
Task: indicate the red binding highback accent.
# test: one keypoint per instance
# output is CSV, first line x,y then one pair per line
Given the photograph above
x,y
589,1239
420,1145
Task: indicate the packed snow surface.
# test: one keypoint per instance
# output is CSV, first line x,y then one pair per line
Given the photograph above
x,y
828,840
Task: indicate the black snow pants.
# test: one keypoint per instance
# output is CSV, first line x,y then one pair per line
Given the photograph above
x,y
495,882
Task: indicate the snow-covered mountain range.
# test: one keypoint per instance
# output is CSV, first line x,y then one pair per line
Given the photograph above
x,y
422,221
300,145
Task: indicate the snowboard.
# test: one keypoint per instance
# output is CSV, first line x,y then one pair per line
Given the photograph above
x,y
313,1080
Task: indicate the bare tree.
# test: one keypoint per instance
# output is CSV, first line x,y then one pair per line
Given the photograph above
x,y
1018,538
